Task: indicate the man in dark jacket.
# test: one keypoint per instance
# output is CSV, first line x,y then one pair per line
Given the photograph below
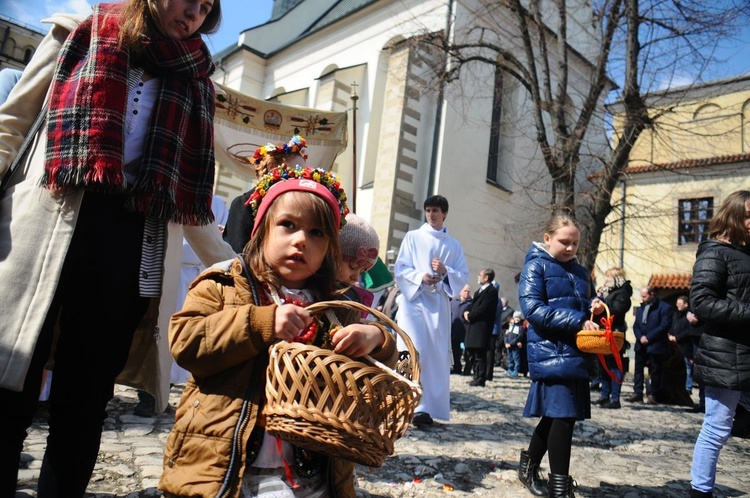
x,y
481,318
680,334
458,326
653,320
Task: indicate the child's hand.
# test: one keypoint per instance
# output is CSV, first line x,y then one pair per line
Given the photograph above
x,y
589,325
597,306
289,321
357,340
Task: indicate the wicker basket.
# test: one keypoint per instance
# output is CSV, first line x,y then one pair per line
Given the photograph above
x,y
332,404
600,341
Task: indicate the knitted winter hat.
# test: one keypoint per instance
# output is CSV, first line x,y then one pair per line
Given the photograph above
x,y
359,242
518,314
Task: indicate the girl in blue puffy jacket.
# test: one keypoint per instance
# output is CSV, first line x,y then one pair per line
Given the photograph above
x,y
554,292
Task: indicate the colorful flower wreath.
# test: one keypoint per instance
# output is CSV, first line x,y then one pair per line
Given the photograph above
x,y
319,175
297,145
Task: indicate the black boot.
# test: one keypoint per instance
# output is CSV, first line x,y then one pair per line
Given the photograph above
x,y
694,493
146,406
560,486
528,474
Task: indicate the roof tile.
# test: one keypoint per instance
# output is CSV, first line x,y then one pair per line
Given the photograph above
x,y
688,163
670,281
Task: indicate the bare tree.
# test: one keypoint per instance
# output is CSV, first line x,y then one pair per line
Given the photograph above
x,y
640,43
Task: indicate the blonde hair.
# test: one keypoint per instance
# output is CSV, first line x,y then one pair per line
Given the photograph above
x,y
324,280
615,272
558,221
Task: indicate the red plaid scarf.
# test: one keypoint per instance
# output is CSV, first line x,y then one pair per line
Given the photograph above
x,y
85,138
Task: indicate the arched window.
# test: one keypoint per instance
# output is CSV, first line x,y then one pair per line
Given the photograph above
x,y
500,159
27,55
706,110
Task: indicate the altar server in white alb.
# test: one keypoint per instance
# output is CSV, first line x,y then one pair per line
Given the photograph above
x,y
430,269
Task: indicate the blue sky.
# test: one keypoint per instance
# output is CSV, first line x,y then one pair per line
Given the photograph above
x,y
238,15
243,14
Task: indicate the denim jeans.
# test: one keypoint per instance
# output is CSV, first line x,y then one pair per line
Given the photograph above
x,y
610,388
514,360
717,427
689,372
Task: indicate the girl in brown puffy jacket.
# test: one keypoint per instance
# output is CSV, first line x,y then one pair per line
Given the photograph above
x,y
232,314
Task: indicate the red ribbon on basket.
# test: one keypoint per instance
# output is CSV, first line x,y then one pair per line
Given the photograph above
x,y
609,336
287,467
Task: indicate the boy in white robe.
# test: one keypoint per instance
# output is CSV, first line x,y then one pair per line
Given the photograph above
x,y
430,269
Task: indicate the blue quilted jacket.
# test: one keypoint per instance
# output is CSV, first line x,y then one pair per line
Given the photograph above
x,y
555,299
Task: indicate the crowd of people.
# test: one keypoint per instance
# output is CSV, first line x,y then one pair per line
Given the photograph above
x,y
121,161
701,340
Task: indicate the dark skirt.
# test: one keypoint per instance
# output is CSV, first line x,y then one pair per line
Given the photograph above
x,y
559,399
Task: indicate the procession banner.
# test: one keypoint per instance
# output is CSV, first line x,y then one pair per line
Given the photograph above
x,y
243,123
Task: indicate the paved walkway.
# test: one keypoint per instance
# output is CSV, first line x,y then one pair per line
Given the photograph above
x,y
637,451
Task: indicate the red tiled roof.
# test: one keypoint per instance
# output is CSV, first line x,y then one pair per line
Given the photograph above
x,y
688,163
684,164
670,281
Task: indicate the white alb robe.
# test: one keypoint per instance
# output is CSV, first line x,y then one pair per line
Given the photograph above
x,y
425,316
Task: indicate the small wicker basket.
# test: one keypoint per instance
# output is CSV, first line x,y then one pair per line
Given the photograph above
x,y
332,404
600,341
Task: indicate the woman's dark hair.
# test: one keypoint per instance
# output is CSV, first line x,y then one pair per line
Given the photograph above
x,y
137,20
324,280
729,221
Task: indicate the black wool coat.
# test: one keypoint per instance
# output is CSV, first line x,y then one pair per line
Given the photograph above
x,y
481,318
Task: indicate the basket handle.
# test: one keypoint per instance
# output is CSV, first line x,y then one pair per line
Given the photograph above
x,y
607,322
353,305
606,308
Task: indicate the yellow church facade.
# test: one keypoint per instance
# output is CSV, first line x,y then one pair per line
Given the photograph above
x,y
695,154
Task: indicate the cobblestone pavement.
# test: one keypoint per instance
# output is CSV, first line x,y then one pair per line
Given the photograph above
x,y
637,451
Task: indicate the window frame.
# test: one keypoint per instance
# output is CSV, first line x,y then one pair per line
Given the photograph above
x,y
694,228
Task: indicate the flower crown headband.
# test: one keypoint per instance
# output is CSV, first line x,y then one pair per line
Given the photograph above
x,y
297,145
329,180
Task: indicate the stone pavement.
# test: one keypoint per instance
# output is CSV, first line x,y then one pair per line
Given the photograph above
x,y
637,451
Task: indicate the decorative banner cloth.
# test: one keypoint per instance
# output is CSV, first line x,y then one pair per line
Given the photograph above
x,y
243,123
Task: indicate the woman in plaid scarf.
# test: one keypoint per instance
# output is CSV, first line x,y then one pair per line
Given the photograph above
x,y
126,147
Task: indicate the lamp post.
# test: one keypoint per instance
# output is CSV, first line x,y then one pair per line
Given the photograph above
x,y
354,98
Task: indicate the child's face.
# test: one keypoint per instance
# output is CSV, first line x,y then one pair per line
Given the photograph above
x,y
349,272
563,244
296,244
